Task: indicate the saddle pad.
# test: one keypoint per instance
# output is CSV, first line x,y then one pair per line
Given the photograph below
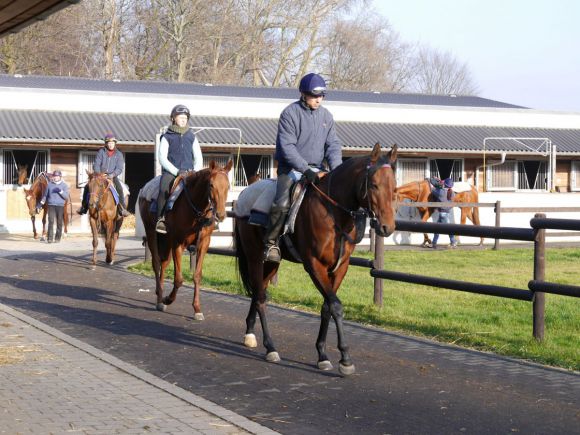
x,y
461,186
258,196
151,189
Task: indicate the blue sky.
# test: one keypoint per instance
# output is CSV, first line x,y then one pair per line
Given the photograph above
x,y
524,52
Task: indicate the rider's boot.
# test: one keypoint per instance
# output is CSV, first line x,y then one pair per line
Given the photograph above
x,y
271,250
160,226
123,211
83,210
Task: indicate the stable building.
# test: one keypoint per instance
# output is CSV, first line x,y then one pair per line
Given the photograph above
x,y
59,122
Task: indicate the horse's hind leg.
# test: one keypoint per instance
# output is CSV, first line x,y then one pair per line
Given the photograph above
x,y
425,215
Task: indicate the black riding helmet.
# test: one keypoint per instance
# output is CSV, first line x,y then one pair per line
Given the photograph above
x,y
180,109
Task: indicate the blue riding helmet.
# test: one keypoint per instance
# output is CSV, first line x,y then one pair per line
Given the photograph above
x,y
110,137
57,173
313,84
448,182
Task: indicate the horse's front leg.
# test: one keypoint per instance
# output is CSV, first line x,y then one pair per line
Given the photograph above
x,y
345,367
44,213
260,276
425,215
110,242
65,219
177,253
202,246
33,220
95,233
323,361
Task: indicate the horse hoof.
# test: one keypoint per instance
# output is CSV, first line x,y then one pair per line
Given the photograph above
x,y
161,307
346,370
273,357
111,263
250,340
42,239
325,365
198,316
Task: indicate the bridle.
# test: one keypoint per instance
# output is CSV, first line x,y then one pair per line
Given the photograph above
x,y
210,207
366,211
97,203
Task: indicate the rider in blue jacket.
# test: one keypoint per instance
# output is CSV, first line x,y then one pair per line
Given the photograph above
x,y
55,197
306,138
109,161
443,193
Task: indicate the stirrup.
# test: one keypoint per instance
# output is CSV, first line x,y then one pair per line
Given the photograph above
x,y
160,226
272,253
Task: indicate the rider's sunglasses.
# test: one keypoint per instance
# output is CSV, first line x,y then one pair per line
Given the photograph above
x,y
317,92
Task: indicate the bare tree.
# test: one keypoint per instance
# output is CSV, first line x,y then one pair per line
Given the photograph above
x,y
439,72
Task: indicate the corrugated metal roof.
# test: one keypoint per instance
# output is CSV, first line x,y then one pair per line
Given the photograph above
x,y
84,127
168,88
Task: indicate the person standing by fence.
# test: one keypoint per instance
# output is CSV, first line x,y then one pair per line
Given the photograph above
x,y
443,193
57,192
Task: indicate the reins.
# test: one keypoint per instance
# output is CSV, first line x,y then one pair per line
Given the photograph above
x,y
202,213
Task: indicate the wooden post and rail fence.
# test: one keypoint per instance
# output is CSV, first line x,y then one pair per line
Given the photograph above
x,y
537,286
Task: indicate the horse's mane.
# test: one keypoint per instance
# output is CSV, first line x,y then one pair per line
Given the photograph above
x,y
198,177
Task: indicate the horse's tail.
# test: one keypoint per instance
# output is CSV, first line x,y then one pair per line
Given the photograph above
x,y
242,260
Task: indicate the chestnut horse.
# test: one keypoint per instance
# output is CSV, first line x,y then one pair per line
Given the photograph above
x,y
420,191
324,234
33,197
191,221
103,215
22,174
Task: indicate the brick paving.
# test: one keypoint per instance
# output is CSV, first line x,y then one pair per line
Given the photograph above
x,y
51,383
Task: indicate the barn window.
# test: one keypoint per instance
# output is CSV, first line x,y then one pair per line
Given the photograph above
x,y
445,168
502,177
532,175
575,175
11,161
411,170
251,167
86,161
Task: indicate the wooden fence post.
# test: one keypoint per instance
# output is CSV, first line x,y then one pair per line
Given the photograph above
x,y
497,222
371,240
378,264
539,302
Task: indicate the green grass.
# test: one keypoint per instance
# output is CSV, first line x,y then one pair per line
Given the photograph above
x,y
499,325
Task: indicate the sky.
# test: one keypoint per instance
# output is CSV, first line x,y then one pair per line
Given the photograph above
x,y
523,52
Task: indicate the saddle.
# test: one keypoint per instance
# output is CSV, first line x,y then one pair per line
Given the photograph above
x,y
255,202
150,192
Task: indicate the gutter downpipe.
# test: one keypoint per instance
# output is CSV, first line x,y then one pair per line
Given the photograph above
x,y
501,162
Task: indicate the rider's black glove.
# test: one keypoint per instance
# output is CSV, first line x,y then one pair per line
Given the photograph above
x,y
310,175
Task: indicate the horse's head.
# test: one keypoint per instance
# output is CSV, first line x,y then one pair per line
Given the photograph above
x,y
30,201
97,185
35,193
219,185
379,190
22,174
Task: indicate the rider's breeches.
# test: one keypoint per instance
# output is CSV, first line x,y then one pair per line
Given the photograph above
x,y
164,187
119,189
55,212
282,198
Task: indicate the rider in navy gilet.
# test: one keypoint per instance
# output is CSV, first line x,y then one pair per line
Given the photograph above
x,y
179,153
180,149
